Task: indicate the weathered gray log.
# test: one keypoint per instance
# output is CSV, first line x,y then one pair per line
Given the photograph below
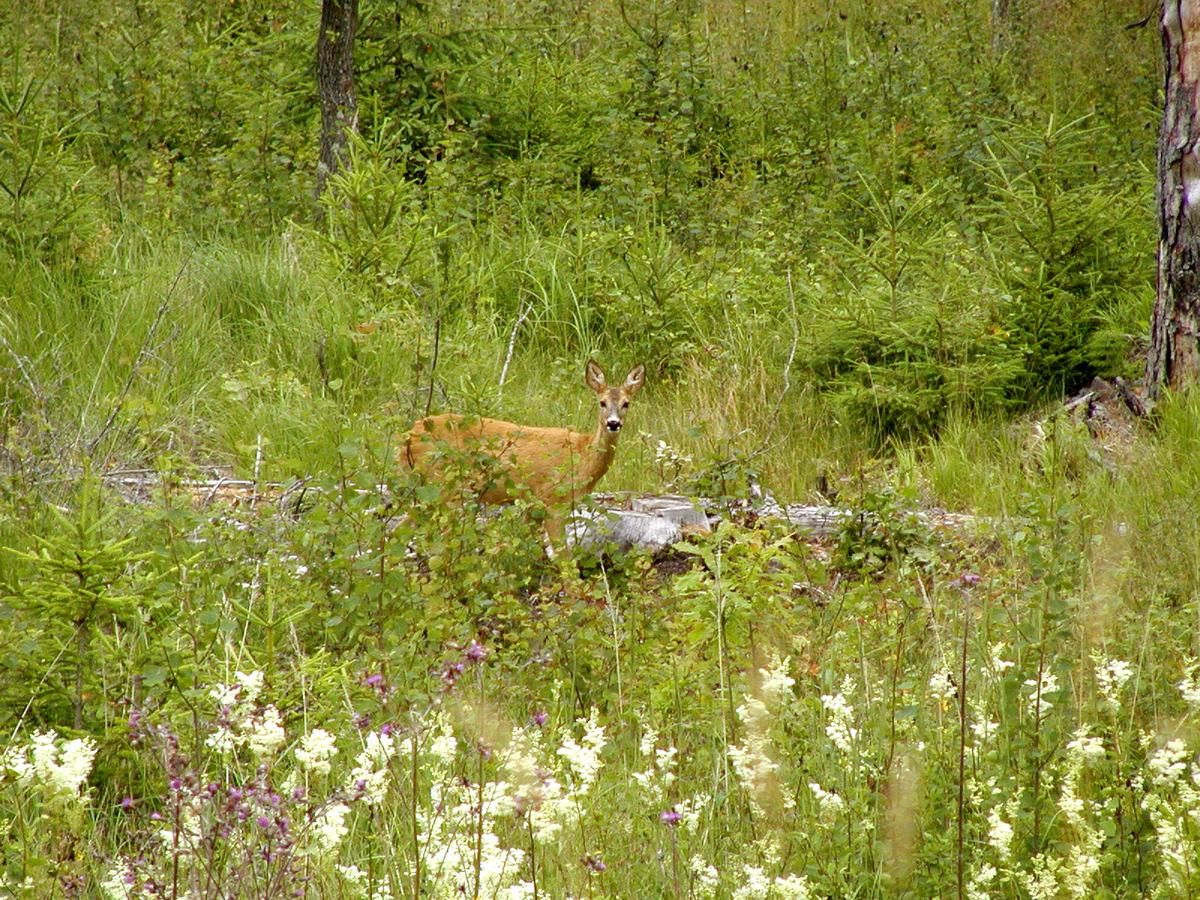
x,y
653,522
625,528
683,512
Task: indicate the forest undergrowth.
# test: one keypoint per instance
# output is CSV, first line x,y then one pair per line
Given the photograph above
x,y
863,250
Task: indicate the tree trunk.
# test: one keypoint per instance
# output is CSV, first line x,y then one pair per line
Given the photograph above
x,y
1000,25
335,85
1174,360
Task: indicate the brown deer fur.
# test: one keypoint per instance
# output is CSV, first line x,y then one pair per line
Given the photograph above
x,y
556,465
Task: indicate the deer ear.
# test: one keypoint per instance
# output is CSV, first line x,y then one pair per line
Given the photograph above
x,y
594,377
635,379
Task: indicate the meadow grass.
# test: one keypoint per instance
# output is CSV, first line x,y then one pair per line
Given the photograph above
x,y
862,253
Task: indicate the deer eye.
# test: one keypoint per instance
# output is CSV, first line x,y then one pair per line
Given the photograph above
x,y
625,405
603,403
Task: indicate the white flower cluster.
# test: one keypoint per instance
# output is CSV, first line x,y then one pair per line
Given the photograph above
x,y
756,884
316,752
840,727
664,453
363,887
706,880
584,757
328,829
1039,689
371,774
1111,677
999,664
1172,802
753,760
244,723
61,767
1189,686
1000,835
656,780
942,687
830,803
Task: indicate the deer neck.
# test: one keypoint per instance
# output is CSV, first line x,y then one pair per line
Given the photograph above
x,y
598,453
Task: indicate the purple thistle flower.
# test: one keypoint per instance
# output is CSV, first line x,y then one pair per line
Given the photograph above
x,y
540,718
669,817
263,822
176,783
476,652
376,681
594,864
969,579
127,803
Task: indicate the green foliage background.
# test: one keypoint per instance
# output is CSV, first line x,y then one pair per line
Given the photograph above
x,y
855,243
930,223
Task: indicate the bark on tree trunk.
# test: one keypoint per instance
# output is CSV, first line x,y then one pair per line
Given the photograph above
x,y
335,84
1174,358
1000,25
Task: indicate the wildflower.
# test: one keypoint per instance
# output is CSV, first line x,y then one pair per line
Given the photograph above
x,y
369,778
1168,763
978,886
540,718
1189,686
999,664
584,758
669,817
984,728
690,810
222,740
594,864
266,732
942,687
841,715
776,684
754,884
791,887
62,768
316,752
830,802
1111,677
444,746
251,684
1038,689
328,829
755,768
705,878
476,652
1000,835
661,773
1085,747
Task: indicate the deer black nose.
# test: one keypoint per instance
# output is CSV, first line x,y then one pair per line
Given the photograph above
x,y
614,424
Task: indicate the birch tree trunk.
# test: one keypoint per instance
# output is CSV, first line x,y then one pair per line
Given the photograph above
x,y
335,84
1174,360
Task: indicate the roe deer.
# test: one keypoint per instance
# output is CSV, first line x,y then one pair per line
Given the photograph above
x,y
556,465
